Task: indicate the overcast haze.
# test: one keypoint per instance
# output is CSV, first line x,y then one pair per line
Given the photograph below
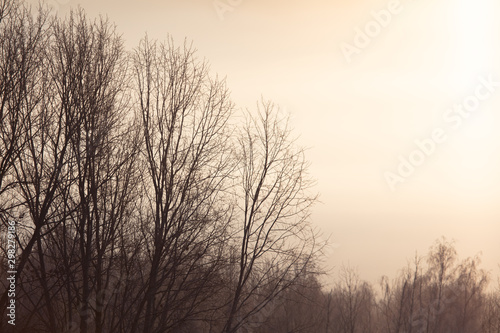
x,y
357,117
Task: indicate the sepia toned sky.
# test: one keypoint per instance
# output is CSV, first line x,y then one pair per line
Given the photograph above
x,y
360,114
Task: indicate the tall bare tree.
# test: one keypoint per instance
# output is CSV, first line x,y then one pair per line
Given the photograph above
x,y
274,240
187,167
28,168
89,68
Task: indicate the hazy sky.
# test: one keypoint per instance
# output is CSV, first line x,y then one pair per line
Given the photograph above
x,y
359,115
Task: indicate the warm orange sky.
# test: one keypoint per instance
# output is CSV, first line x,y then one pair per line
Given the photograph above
x,y
358,117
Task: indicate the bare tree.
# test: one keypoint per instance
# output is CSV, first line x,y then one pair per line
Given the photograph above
x,y
441,272
27,182
187,166
469,300
89,68
274,240
353,300
75,172
399,306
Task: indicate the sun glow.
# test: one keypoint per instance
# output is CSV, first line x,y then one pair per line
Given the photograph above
x,y
473,49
